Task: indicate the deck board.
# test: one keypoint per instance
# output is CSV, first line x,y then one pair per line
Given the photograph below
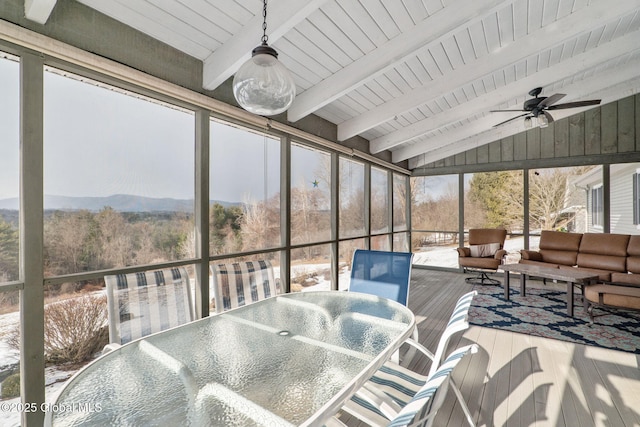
x,y
523,380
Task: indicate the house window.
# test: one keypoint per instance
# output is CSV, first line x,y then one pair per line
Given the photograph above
x,y
597,206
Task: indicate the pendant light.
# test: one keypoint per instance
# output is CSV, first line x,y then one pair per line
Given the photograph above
x,y
262,85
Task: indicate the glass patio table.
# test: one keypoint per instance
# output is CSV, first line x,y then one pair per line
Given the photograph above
x,y
293,359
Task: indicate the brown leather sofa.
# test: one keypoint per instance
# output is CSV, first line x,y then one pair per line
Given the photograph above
x,y
626,291
615,258
556,249
484,253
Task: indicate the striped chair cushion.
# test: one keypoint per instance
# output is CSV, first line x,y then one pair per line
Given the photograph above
x,y
458,321
143,303
242,283
423,404
402,384
421,410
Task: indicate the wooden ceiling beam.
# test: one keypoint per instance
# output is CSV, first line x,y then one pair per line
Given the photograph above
x,y
564,29
282,16
439,26
570,67
38,10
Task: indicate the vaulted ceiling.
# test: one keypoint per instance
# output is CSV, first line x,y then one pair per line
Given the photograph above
x,y
416,77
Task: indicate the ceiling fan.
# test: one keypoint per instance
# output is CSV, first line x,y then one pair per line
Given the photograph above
x,y
537,107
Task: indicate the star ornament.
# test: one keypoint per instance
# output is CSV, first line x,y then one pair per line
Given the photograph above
x,y
315,183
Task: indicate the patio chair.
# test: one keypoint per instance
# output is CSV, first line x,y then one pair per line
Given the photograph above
x,y
484,254
143,303
395,384
242,283
419,410
385,274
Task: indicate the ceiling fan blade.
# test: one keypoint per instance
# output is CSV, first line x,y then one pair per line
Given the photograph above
x,y
507,111
548,116
575,104
511,119
551,100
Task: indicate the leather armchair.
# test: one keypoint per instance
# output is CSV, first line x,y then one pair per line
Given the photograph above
x,y
483,255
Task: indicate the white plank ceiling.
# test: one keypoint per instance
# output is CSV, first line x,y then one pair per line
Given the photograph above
x,y
416,77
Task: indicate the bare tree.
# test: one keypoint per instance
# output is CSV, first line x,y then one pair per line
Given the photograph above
x,y
114,239
547,198
67,243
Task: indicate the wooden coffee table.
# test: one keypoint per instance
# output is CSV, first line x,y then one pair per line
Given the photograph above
x,y
573,278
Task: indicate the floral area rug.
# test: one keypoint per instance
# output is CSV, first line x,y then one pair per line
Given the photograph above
x,y
544,313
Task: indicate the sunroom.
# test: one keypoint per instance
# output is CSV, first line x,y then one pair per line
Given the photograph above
x,y
124,150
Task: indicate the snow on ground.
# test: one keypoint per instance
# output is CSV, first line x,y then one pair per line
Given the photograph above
x,y
54,380
8,355
441,256
9,360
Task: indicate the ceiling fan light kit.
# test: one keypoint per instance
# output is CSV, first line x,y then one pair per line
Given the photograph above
x,y
527,123
543,122
537,107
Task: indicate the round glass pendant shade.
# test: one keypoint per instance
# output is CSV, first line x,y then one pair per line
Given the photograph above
x,y
263,85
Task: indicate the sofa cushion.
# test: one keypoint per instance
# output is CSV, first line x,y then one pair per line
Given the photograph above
x,y
604,244
618,296
633,279
486,250
633,264
474,262
633,254
480,236
560,241
604,251
559,257
602,262
633,249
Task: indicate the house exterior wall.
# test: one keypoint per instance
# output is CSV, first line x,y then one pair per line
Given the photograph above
x,y
587,182
622,199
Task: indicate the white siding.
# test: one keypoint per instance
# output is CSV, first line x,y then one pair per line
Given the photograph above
x,y
622,199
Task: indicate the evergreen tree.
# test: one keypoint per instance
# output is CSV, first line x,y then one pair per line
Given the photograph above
x,y
500,196
8,251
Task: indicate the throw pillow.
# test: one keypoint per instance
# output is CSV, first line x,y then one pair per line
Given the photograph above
x,y
482,251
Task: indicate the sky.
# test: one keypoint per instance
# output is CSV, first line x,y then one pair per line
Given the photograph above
x,y
100,142
9,128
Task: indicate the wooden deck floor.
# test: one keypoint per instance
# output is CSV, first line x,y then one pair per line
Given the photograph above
x,y
523,380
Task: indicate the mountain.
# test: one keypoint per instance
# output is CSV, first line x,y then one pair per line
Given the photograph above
x,y
119,202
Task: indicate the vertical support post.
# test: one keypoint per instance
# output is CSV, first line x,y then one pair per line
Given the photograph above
x,y
525,205
202,138
407,203
335,219
461,209
285,212
31,237
367,205
390,208
606,198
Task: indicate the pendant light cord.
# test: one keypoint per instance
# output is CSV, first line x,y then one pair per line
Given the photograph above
x,y
264,24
